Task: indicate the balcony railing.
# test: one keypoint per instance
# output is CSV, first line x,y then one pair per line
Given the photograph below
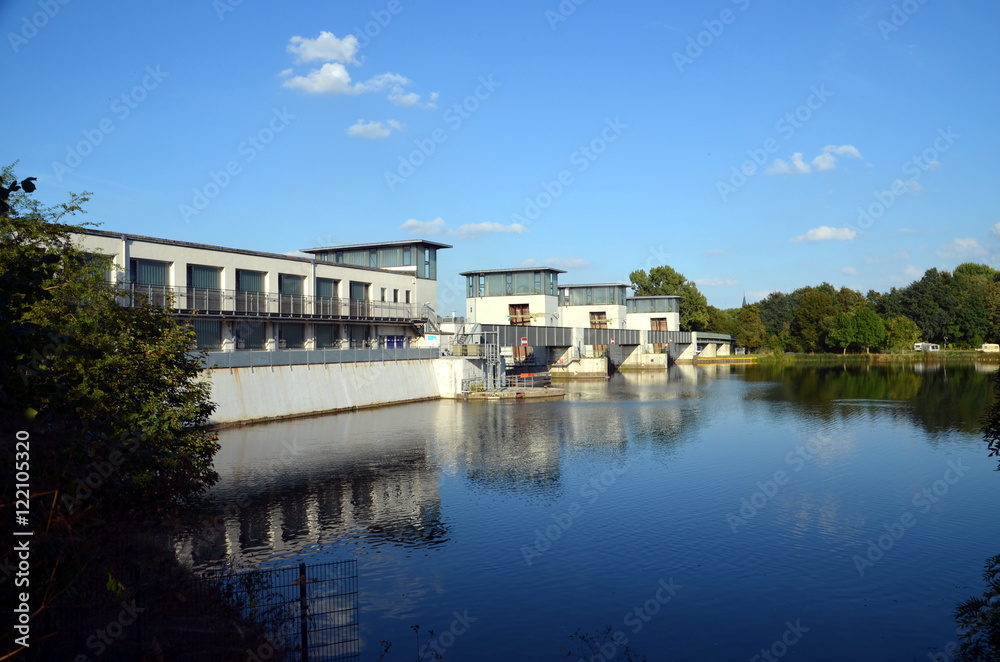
x,y
263,304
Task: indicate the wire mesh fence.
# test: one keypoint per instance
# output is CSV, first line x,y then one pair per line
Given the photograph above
x,y
299,613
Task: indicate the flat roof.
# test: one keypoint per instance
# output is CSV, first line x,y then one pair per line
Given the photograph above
x,y
561,285
512,269
659,296
380,244
222,249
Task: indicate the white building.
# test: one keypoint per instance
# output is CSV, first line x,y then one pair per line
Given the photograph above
x,y
654,313
595,306
526,296
378,294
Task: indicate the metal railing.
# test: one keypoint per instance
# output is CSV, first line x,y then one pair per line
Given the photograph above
x,y
263,304
283,357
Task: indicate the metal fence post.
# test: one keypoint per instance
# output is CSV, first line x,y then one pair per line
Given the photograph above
x,y
303,613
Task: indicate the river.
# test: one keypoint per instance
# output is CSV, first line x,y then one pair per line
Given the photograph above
x,y
711,513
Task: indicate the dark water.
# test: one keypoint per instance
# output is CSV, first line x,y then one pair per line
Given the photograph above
x,y
705,514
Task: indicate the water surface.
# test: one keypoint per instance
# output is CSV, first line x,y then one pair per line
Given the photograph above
x,y
704,513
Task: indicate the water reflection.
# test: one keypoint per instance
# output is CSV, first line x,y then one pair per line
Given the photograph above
x,y
936,396
437,499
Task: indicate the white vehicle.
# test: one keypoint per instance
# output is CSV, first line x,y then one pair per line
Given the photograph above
x,y
989,348
926,347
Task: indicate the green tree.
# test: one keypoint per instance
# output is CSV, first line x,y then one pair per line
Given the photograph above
x,y
902,333
868,329
664,280
813,318
111,378
722,320
750,331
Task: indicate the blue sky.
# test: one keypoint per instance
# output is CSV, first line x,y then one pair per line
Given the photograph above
x,y
752,146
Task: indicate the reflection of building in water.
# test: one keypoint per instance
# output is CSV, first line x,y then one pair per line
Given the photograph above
x,y
514,447
278,505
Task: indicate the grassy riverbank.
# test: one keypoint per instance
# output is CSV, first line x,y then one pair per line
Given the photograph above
x,y
904,357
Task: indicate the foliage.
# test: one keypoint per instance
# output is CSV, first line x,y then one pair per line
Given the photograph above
x,y
722,320
110,397
979,620
860,328
664,280
813,318
750,331
901,333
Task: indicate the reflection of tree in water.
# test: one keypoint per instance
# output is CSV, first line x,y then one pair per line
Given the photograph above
x,y
940,397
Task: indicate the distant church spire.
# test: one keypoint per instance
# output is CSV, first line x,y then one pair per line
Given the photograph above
x,y
744,299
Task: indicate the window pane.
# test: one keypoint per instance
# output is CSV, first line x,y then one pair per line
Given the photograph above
x,y
294,335
208,333
249,281
205,277
249,335
326,287
288,284
147,272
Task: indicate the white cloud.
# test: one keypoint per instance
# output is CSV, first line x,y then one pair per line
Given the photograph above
x,y
426,228
850,271
324,47
843,150
473,230
911,271
961,248
825,160
910,186
797,165
333,78
373,129
567,263
995,230
402,98
719,251
826,233
716,282
465,231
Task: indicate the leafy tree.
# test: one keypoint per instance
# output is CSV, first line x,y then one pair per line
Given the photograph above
x,y
112,404
929,302
849,300
868,329
722,321
979,620
813,318
750,331
664,280
901,333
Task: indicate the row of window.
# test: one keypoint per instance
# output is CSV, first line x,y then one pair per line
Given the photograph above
x,y
289,335
151,272
424,259
510,283
613,295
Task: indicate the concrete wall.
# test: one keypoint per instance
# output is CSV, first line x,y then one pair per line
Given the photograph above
x,y
255,394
